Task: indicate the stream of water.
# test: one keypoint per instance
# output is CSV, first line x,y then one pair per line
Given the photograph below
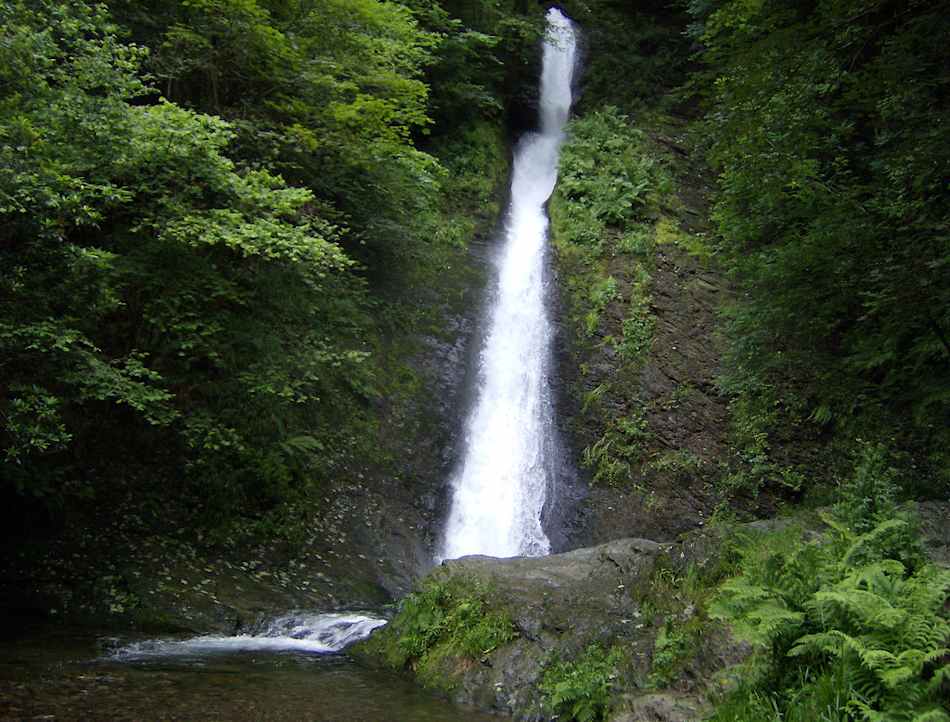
x,y
284,673
315,633
501,485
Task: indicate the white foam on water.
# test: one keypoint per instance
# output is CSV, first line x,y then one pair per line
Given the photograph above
x,y
314,633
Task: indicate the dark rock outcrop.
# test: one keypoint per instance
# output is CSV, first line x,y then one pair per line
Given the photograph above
x,y
560,605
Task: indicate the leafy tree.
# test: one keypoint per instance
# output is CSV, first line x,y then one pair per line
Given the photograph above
x,y
157,304
825,125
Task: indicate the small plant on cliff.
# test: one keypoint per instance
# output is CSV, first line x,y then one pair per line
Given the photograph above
x,y
671,650
579,689
613,455
637,328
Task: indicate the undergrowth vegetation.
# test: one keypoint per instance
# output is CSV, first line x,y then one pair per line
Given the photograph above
x,y
603,214
848,624
844,616
440,626
580,688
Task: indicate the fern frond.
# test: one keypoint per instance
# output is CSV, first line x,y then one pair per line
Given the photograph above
x,y
836,524
940,678
875,574
874,536
855,606
932,715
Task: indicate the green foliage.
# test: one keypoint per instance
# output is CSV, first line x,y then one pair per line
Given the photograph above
x,y
824,125
331,95
440,622
853,626
601,293
483,56
634,51
871,492
579,689
674,602
672,647
637,240
609,191
613,455
757,419
679,462
637,327
205,296
477,163
608,188
157,298
604,174
667,231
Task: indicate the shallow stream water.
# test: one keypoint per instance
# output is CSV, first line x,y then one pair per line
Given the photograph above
x,y
62,674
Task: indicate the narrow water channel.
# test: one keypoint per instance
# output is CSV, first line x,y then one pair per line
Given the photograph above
x,y
507,470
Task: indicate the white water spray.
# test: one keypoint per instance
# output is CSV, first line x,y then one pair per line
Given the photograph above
x,y
500,488
313,633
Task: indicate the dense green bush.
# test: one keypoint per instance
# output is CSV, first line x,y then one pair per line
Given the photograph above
x,y
439,622
825,124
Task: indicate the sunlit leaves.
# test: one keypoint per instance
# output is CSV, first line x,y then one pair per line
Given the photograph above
x,y
152,285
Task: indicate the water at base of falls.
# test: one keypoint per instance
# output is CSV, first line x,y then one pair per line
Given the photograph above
x,y
500,488
315,633
66,673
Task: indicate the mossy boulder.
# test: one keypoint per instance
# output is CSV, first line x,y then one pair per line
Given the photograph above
x,y
511,635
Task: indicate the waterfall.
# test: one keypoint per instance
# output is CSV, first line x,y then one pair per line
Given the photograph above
x,y
499,489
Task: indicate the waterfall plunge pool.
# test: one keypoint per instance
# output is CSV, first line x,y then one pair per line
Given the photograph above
x,y
287,671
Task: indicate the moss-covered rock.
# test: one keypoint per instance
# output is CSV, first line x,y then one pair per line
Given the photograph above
x,y
535,637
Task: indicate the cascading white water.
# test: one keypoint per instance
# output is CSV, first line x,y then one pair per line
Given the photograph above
x,y
315,633
499,490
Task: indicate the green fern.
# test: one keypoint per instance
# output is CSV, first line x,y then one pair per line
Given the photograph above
x,y
846,629
579,689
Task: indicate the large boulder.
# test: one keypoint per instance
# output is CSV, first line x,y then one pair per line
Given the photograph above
x,y
559,604
560,607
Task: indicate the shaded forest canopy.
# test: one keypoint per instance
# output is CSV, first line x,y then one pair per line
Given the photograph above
x,y
827,125
215,214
